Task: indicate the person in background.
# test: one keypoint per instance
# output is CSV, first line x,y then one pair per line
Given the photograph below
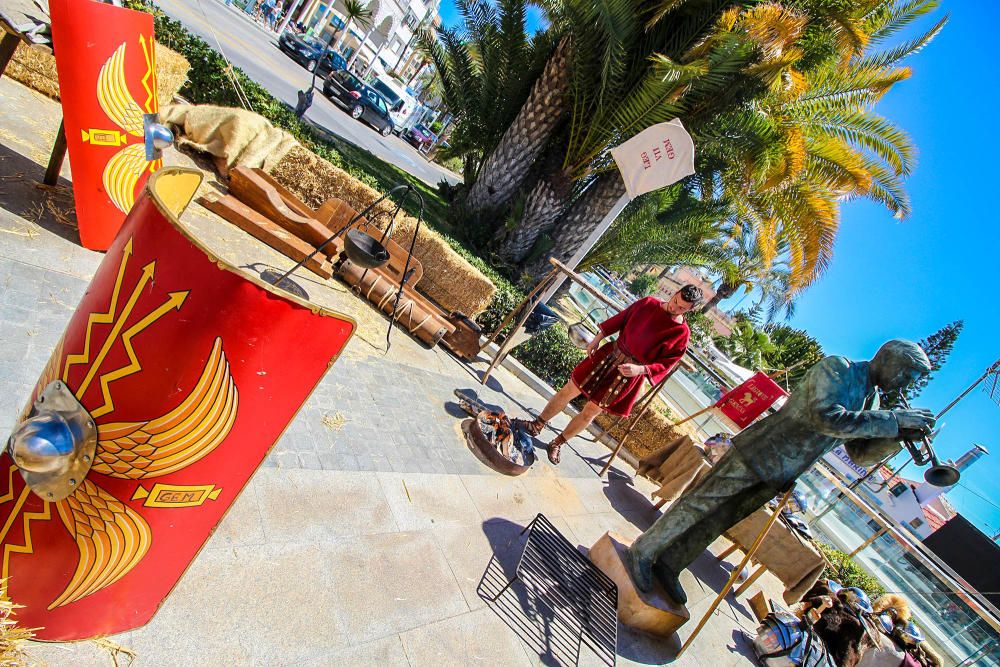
x,y
652,337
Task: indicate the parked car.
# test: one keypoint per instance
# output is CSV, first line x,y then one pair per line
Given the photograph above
x,y
401,103
419,137
307,51
361,102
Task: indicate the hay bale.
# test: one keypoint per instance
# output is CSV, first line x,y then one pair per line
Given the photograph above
x,y
653,431
451,281
171,73
35,67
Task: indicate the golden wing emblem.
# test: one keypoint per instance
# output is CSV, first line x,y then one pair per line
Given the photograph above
x,y
111,536
114,97
140,450
122,173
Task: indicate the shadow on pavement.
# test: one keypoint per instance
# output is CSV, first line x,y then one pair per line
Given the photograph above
x,y
556,641
23,194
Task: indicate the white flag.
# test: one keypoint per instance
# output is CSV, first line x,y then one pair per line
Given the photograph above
x,y
655,158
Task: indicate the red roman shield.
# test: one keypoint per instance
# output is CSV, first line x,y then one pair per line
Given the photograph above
x,y
191,370
107,83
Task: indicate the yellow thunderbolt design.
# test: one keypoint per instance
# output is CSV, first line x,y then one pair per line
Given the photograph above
x,y
125,167
100,318
112,537
174,302
27,547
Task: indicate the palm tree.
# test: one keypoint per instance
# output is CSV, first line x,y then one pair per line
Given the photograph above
x,y
364,40
486,73
746,345
789,157
745,266
507,166
355,11
671,227
625,83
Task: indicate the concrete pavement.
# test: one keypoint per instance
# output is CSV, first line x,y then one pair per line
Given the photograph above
x,y
364,537
253,49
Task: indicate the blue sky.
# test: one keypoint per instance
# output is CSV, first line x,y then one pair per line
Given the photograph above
x,y
907,279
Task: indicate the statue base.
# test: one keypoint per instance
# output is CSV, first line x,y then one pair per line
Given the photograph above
x,y
654,613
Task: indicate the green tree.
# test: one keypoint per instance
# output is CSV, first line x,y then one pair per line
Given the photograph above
x,y
356,11
794,349
643,284
747,345
671,227
486,72
938,347
626,76
701,326
789,155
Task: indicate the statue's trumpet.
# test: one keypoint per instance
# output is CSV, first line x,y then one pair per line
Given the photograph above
x,y
939,474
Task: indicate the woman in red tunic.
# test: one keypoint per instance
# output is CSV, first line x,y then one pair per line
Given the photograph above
x,y
652,337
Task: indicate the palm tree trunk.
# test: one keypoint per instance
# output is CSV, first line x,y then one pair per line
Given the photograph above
x,y
354,56
508,165
343,33
724,292
541,210
582,218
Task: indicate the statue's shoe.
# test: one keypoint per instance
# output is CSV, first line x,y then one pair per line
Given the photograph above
x,y
641,570
672,585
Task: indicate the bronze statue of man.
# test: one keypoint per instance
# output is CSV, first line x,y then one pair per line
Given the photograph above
x,y
836,401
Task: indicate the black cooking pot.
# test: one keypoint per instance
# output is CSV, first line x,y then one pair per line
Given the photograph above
x,y
364,250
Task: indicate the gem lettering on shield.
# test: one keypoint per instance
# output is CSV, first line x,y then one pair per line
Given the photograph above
x,y
104,137
171,495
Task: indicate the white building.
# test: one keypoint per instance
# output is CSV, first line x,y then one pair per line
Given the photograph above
x,y
388,43
916,505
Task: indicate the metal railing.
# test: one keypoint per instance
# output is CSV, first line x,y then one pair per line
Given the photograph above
x,y
958,621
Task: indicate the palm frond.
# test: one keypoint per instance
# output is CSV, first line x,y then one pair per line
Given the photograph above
x,y
868,131
891,16
894,55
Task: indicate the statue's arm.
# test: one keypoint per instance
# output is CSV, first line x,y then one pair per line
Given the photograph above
x,y
867,452
828,384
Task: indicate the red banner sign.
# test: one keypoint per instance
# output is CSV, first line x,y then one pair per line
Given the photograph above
x,y
191,371
107,83
749,400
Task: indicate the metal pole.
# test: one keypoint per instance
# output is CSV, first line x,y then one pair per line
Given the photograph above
x,y
992,369
288,17
591,241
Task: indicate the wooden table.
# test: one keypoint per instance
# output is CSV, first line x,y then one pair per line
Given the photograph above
x,y
676,467
789,555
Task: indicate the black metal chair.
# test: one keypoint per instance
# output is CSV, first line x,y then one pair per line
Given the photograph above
x,y
554,571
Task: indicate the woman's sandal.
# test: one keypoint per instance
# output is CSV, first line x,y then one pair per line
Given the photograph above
x,y
553,449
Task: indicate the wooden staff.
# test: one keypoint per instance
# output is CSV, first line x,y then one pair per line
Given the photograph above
x,y
694,414
524,306
645,402
736,572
